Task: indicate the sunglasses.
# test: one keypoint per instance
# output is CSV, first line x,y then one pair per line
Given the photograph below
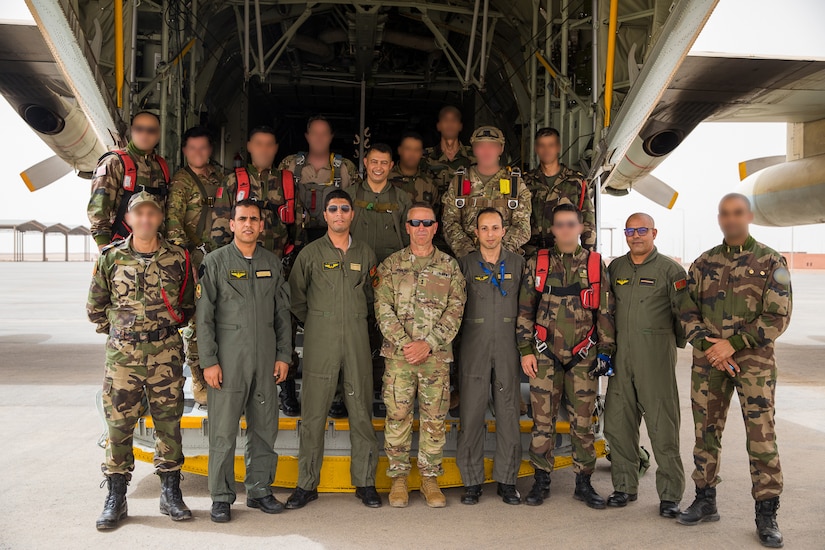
x,y
425,223
641,231
333,208
145,129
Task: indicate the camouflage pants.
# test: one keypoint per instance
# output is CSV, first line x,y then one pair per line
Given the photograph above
x,y
431,382
710,395
154,369
579,391
190,345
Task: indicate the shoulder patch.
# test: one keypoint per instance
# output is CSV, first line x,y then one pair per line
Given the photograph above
x,y
101,171
782,276
219,193
198,291
681,284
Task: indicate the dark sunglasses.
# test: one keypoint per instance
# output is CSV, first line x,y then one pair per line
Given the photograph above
x,y
333,208
425,223
641,231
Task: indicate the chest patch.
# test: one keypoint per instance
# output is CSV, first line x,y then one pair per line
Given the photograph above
x,y
263,274
237,274
355,267
332,265
482,278
622,282
645,281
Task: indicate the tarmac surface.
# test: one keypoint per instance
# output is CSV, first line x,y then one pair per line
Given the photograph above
x,y
51,365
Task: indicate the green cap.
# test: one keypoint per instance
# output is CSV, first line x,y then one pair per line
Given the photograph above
x,y
487,133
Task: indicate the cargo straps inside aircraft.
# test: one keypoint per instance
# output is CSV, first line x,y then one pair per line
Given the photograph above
x,y
590,298
120,229
508,187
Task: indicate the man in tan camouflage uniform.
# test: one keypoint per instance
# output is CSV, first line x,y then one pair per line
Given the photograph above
x,y
412,173
141,294
450,154
317,172
551,182
487,184
740,303
113,185
566,341
189,225
419,301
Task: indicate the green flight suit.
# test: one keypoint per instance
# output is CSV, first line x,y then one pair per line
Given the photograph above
x,y
380,218
332,295
488,358
648,302
245,327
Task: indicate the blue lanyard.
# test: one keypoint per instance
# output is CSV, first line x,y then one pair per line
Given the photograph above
x,y
496,281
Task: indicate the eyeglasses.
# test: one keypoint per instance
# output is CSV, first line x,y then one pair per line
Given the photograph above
x,y
565,225
145,130
641,231
425,223
333,208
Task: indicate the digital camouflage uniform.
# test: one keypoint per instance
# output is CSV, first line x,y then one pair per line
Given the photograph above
x,y
648,329
443,168
313,185
189,225
567,323
459,223
266,186
332,294
108,192
419,186
380,218
143,352
742,294
417,299
489,358
547,192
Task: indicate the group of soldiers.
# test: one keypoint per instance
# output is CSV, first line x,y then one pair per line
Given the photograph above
x,y
447,257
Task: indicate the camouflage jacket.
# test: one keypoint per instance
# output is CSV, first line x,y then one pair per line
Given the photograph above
x,y
313,185
380,218
443,169
185,208
459,223
107,188
740,293
264,185
419,299
420,186
547,192
133,294
566,320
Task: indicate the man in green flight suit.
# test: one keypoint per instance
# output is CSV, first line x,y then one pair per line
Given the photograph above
x,y
331,286
649,288
245,335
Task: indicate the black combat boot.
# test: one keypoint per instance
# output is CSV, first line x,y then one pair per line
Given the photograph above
x,y
540,490
766,526
508,493
289,399
114,509
702,509
171,499
586,493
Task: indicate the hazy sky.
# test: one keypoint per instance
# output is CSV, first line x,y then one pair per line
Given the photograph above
x,y
702,169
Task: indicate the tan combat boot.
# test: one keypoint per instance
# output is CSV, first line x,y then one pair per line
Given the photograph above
x,y
431,493
399,493
198,386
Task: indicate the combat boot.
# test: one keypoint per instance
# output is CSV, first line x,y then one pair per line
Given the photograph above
x,y
540,490
702,509
171,499
766,526
399,493
114,509
289,399
432,493
198,385
586,493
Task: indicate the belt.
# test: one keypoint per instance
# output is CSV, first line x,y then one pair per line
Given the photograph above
x,y
141,337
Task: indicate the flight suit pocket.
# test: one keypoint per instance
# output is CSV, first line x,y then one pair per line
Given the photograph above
x,y
107,385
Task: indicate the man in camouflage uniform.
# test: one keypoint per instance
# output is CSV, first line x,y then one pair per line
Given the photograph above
x,y
412,173
317,172
551,182
485,185
141,294
331,287
188,224
246,341
450,154
649,288
565,346
739,304
112,186
490,360
419,301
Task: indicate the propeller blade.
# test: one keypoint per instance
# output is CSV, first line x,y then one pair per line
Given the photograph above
x,y
45,173
748,167
656,190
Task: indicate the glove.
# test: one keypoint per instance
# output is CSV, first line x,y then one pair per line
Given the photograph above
x,y
603,366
